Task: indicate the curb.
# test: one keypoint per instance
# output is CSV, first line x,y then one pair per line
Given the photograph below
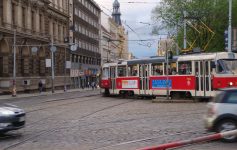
x,y
43,94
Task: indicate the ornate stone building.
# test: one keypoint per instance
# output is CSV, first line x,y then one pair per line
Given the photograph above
x,y
36,23
114,37
122,36
85,22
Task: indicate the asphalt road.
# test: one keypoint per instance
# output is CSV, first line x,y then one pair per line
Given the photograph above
x,y
87,121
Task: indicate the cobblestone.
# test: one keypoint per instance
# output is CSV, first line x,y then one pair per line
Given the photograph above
x,y
100,123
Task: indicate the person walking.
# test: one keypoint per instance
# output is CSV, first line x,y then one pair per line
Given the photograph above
x,y
88,84
40,85
93,85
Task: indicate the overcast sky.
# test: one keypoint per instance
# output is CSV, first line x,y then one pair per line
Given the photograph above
x,y
138,17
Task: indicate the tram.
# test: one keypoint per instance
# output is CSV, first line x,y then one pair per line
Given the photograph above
x,y
197,75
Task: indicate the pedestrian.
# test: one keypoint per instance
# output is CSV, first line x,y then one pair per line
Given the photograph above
x,y
88,84
93,85
40,85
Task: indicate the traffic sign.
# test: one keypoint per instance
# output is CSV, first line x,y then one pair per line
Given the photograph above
x,y
34,49
53,49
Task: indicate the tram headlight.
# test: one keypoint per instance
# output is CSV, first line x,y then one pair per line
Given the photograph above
x,y
231,83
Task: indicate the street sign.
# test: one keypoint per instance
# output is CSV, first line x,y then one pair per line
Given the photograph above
x,y
34,49
53,49
68,64
48,63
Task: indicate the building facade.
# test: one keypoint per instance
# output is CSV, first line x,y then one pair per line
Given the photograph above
x,y
35,23
122,36
85,22
166,45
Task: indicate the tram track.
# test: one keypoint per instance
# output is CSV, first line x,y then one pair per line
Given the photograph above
x,y
48,131
61,99
152,138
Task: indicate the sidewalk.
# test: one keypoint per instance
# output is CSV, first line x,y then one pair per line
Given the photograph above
x,y
22,95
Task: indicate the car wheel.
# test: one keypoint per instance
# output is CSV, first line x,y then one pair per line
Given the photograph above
x,y
227,125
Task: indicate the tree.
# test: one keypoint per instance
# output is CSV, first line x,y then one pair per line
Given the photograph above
x,y
201,15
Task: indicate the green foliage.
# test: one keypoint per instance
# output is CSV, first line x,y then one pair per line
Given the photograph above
x,y
200,13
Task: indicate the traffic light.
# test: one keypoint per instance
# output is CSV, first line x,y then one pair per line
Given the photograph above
x,y
170,55
226,39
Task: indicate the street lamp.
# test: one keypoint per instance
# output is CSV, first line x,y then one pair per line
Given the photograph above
x,y
229,28
14,66
108,51
53,50
167,71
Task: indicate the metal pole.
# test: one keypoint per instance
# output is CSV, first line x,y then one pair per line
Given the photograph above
x,y
230,28
108,52
14,66
167,72
52,67
185,30
65,68
176,39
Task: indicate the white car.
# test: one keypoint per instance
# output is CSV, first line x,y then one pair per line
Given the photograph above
x,y
222,113
11,118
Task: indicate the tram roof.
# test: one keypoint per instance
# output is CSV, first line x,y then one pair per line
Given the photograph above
x,y
145,61
207,56
152,60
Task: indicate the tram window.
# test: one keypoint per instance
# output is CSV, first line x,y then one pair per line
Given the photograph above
x,y
132,70
213,66
157,69
185,67
219,67
171,69
105,73
122,71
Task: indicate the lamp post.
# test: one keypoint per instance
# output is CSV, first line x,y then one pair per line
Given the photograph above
x,y
14,66
229,28
108,51
53,50
167,71
185,30
65,68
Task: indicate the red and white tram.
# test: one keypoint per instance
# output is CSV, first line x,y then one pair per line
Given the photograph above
x,y
196,75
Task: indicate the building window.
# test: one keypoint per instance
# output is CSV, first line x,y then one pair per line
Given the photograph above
x,y
23,17
33,21
14,14
41,23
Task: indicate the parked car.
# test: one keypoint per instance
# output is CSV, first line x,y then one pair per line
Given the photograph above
x,y
222,113
11,118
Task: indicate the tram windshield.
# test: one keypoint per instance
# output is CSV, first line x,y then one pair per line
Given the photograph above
x,y
105,74
227,66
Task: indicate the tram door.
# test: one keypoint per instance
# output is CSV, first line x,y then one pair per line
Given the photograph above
x,y
113,80
144,78
203,78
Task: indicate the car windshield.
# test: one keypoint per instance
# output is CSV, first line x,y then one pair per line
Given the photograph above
x,y
105,73
228,66
218,98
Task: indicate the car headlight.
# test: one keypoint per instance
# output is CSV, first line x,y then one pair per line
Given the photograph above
x,y
3,125
6,112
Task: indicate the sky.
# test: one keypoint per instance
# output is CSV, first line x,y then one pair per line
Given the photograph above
x,y
136,18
